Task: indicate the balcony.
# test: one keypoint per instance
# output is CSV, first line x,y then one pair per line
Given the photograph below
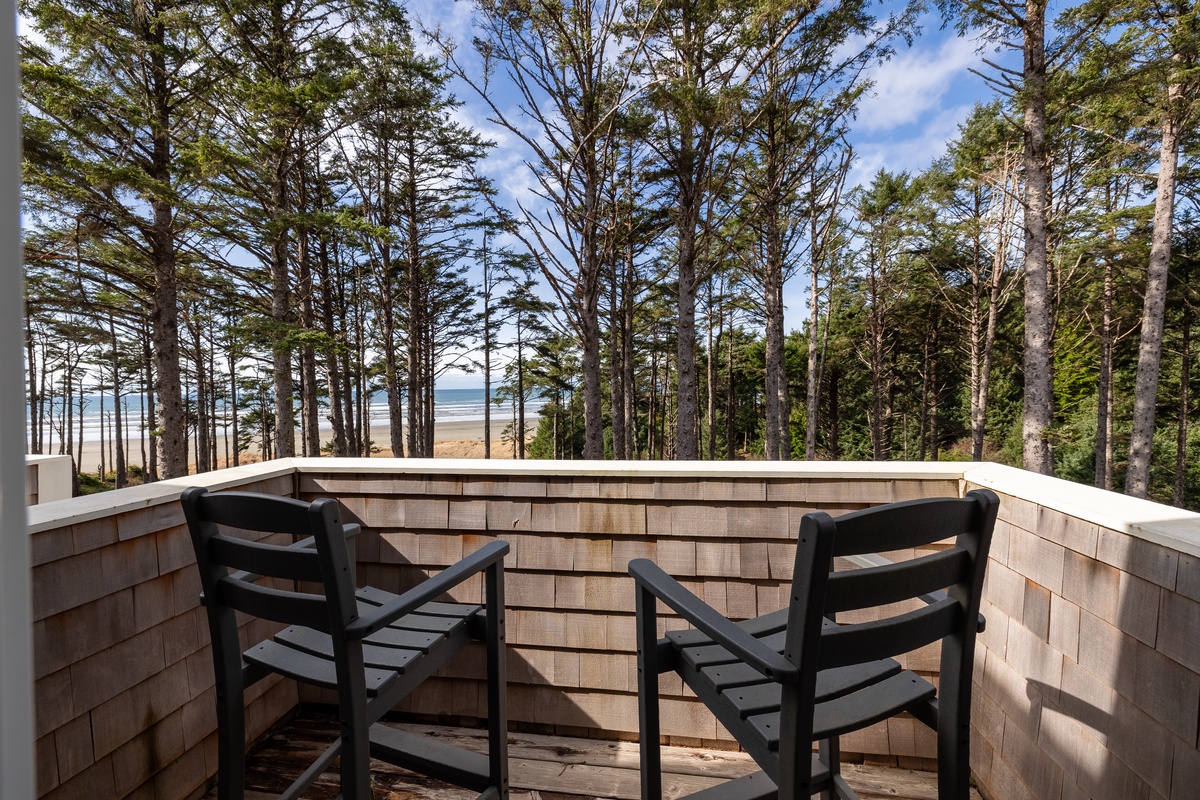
x,y
1087,676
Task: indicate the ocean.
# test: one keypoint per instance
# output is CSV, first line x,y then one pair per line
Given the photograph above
x,y
450,405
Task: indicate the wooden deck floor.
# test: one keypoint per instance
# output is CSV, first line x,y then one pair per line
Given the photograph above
x,y
542,768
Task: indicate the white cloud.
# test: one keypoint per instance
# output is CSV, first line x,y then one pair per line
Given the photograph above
x,y
913,83
913,153
452,19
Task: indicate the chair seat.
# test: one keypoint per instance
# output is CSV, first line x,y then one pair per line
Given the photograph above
x,y
847,698
308,668
853,711
307,655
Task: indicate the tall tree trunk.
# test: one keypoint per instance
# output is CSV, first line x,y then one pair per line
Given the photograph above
x,y
652,409
151,473
164,306
69,405
730,407
212,404
686,443
935,405
391,365
103,460
417,310
202,390
352,388
778,438
43,395
813,398
79,453
880,450
430,400
171,422
233,403
923,415
589,310
35,442
333,372
975,333
1141,441
711,376
1104,381
593,423
1181,436
1039,380
835,451
616,411
778,434
488,344
285,426
392,387
630,391
309,405
520,428
362,396
118,433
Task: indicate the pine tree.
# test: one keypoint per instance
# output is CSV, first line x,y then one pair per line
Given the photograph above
x,y
112,132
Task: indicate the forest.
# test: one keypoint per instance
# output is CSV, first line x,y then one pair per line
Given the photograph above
x,y
253,218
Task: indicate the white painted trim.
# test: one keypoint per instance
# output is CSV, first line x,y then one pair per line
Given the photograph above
x,y
16,629
107,504
812,470
53,476
1165,525
1154,522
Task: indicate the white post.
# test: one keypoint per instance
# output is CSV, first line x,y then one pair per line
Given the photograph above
x,y
16,643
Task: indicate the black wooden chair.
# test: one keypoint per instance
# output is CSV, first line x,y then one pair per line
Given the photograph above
x,y
784,680
371,647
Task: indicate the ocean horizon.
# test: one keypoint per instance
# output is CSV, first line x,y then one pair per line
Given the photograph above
x,y
450,405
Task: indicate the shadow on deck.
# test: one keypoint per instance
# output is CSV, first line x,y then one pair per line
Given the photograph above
x,y
542,767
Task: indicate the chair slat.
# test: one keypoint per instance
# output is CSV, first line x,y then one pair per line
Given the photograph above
x,y
899,526
265,559
707,655
756,627
870,641
320,644
247,511
309,668
378,597
871,704
290,608
905,580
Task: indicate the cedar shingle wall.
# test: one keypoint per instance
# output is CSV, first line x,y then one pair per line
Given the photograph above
x,y
1088,683
570,601
123,670
1087,677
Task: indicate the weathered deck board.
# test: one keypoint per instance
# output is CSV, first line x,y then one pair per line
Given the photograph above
x,y
543,768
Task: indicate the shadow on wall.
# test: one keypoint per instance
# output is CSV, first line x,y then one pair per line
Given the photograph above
x,y
1095,690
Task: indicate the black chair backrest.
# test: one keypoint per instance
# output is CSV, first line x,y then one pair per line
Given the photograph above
x,y
325,563
956,571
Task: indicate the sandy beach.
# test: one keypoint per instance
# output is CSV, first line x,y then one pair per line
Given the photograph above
x,y
457,439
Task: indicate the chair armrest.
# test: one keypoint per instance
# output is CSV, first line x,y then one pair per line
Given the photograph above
x,y
439,584
651,577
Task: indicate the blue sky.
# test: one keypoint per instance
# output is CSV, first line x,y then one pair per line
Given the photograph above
x,y
918,100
